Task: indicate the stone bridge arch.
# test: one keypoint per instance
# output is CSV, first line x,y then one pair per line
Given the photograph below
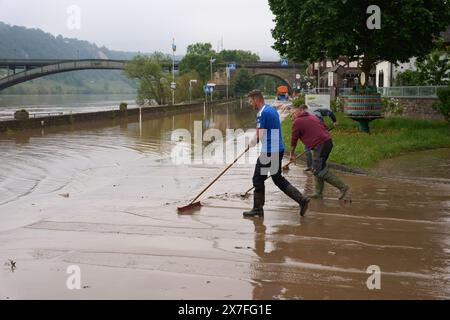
x,y
273,69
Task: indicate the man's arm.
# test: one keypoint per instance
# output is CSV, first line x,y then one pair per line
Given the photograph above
x,y
332,117
328,113
256,138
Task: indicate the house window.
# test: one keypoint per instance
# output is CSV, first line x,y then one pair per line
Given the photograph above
x,y
381,78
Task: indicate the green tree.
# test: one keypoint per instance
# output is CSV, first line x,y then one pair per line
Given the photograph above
x,y
182,92
243,83
408,78
154,83
238,56
444,105
435,68
198,58
310,30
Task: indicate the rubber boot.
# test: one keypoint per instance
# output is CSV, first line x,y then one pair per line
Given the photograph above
x,y
336,182
319,185
258,204
296,195
309,161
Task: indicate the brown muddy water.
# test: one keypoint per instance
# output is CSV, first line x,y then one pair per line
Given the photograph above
x,y
103,197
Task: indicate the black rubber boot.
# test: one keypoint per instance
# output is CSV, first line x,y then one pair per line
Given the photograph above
x,y
258,204
296,195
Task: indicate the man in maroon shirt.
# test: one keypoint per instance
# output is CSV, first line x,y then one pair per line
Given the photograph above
x,y
314,134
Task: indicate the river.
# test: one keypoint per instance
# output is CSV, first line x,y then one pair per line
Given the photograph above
x,y
43,105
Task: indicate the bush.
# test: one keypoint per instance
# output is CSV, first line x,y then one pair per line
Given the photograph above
x,y
123,106
391,106
21,114
337,105
298,101
444,106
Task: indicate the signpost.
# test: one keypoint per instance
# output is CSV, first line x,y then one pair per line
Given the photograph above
x,y
230,67
209,88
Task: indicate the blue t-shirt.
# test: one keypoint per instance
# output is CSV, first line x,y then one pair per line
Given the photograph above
x,y
269,120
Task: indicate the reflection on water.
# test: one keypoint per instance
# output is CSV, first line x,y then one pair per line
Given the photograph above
x,y
31,156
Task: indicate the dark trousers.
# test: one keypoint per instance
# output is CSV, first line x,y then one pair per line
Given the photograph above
x,y
321,154
263,162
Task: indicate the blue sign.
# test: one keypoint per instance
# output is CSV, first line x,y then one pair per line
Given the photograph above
x,y
208,89
232,66
284,62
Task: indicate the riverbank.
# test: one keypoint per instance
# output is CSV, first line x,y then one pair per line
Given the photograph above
x,y
72,118
389,137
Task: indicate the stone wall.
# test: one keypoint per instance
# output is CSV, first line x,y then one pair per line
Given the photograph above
x,y
420,108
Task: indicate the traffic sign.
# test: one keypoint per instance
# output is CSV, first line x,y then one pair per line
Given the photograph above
x,y
298,76
173,86
208,89
232,66
284,62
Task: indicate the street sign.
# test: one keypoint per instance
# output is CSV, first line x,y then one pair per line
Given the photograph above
x,y
173,86
232,66
284,62
208,88
297,76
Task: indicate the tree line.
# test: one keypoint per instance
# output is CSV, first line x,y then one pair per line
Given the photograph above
x,y
154,82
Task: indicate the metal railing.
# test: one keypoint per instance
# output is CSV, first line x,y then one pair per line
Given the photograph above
x,y
403,92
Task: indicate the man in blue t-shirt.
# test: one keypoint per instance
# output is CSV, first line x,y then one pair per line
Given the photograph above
x,y
268,131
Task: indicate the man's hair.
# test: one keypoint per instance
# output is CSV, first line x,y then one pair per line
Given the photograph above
x,y
255,94
303,107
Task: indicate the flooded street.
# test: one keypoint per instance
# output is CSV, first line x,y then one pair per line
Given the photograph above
x,y
103,196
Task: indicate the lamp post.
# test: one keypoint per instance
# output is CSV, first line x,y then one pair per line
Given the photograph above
x,y
228,80
190,89
173,85
318,78
212,60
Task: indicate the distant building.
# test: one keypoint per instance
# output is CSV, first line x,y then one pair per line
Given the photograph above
x,y
341,73
387,72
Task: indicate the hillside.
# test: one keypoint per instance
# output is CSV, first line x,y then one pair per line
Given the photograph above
x,y
20,42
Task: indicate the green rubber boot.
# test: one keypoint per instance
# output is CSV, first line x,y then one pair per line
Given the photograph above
x,y
319,185
336,182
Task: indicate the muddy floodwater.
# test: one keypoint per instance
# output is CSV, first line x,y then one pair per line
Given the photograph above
x,y
103,197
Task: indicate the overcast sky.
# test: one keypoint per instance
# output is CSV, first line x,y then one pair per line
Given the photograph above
x,y
149,25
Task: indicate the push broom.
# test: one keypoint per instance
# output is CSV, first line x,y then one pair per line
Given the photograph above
x,y
196,204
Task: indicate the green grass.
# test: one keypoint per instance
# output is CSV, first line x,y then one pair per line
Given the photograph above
x,y
389,137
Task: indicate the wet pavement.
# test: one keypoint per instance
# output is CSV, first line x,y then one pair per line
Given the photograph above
x,y
104,196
